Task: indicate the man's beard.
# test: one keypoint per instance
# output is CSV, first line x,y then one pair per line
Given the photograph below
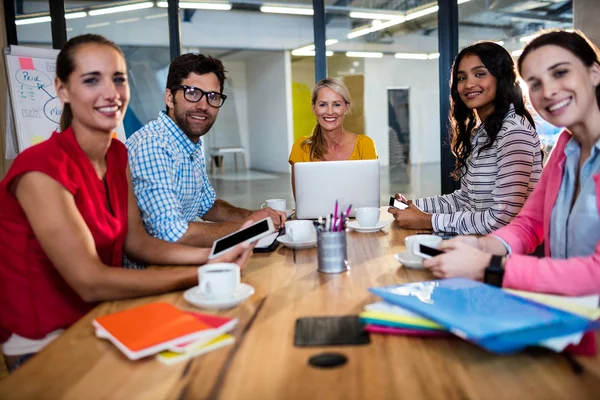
x,y
193,130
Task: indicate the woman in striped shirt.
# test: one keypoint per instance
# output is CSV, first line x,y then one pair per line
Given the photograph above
x,y
497,150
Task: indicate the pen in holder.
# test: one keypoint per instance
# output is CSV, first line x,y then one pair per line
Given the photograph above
x,y
332,253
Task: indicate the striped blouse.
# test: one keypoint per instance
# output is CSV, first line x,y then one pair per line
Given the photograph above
x,y
497,182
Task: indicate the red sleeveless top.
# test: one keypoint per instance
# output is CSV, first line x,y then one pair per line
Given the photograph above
x,y
35,299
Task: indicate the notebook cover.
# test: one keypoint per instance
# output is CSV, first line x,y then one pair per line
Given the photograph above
x,y
150,328
486,315
410,321
388,330
170,357
587,346
220,325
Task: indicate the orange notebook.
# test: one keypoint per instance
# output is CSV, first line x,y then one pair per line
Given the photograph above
x,y
150,329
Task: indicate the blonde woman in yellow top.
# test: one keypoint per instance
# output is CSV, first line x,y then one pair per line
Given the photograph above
x,y
329,140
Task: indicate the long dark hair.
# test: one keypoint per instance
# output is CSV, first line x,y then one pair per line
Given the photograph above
x,y
575,42
65,65
463,119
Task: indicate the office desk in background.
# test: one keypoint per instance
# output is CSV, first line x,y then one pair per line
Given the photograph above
x,y
264,364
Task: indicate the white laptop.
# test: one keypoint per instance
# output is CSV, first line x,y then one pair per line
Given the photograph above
x,y
320,184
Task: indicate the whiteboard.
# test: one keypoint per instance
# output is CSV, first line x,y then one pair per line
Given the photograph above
x,y
36,109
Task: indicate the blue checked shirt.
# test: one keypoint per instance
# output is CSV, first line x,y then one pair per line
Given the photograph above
x,y
169,178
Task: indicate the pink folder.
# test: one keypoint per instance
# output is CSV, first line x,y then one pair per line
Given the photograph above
x,y
405,332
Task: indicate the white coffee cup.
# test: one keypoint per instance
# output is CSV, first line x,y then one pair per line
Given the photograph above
x,y
412,244
367,216
218,281
275,204
300,231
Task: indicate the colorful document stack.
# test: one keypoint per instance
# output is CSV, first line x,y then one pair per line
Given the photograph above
x,y
162,328
386,318
495,319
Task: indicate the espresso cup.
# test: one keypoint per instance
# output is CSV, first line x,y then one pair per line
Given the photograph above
x,y
300,231
412,245
367,217
275,204
219,281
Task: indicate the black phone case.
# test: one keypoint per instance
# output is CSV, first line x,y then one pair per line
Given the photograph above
x,y
330,331
272,247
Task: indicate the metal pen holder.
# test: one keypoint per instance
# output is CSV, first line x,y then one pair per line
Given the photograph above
x,y
332,254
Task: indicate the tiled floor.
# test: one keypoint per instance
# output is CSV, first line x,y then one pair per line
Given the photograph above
x,y
250,189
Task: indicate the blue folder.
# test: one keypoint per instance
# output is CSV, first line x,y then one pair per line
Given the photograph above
x,y
486,315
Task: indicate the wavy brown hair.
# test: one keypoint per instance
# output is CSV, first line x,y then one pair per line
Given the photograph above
x,y
316,142
463,119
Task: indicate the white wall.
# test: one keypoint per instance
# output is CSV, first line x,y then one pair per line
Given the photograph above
x,y
236,75
421,77
270,133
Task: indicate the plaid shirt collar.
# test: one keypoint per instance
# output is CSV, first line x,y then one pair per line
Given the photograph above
x,y
181,138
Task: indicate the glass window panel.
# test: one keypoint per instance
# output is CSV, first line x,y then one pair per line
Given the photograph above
x,y
33,23
387,53
143,35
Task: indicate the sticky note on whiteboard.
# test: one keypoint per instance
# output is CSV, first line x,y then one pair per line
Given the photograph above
x,y
26,63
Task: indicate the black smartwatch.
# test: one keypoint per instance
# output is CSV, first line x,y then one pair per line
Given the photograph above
x,y
494,273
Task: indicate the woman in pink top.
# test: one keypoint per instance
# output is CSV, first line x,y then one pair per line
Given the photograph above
x,y
562,71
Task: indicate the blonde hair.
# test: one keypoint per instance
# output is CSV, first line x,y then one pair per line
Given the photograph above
x,y
316,142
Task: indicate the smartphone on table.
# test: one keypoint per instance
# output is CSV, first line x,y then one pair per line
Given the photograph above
x,y
250,234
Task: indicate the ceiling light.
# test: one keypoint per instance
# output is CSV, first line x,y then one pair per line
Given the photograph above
x,y
287,10
76,15
163,15
517,53
422,13
364,54
330,42
411,56
36,20
224,6
98,25
367,15
433,56
309,53
359,32
310,47
127,7
462,1
387,24
498,42
127,20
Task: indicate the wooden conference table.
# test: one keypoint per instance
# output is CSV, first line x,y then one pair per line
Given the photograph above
x,y
264,364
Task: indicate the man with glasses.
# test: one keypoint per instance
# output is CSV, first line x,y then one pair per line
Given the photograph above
x,y
168,170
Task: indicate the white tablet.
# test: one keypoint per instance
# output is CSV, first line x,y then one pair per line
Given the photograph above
x,y
254,232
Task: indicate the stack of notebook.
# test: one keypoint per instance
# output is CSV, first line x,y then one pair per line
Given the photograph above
x,y
498,320
160,329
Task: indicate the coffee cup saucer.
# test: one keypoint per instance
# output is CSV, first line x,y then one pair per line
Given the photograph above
x,y
193,296
409,260
288,242
355,226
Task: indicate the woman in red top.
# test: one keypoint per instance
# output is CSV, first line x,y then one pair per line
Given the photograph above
x,y
68,212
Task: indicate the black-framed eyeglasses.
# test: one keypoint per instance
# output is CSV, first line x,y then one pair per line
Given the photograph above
x,y
194,94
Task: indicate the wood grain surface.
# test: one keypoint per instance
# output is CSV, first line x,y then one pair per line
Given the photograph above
x,y
264,364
